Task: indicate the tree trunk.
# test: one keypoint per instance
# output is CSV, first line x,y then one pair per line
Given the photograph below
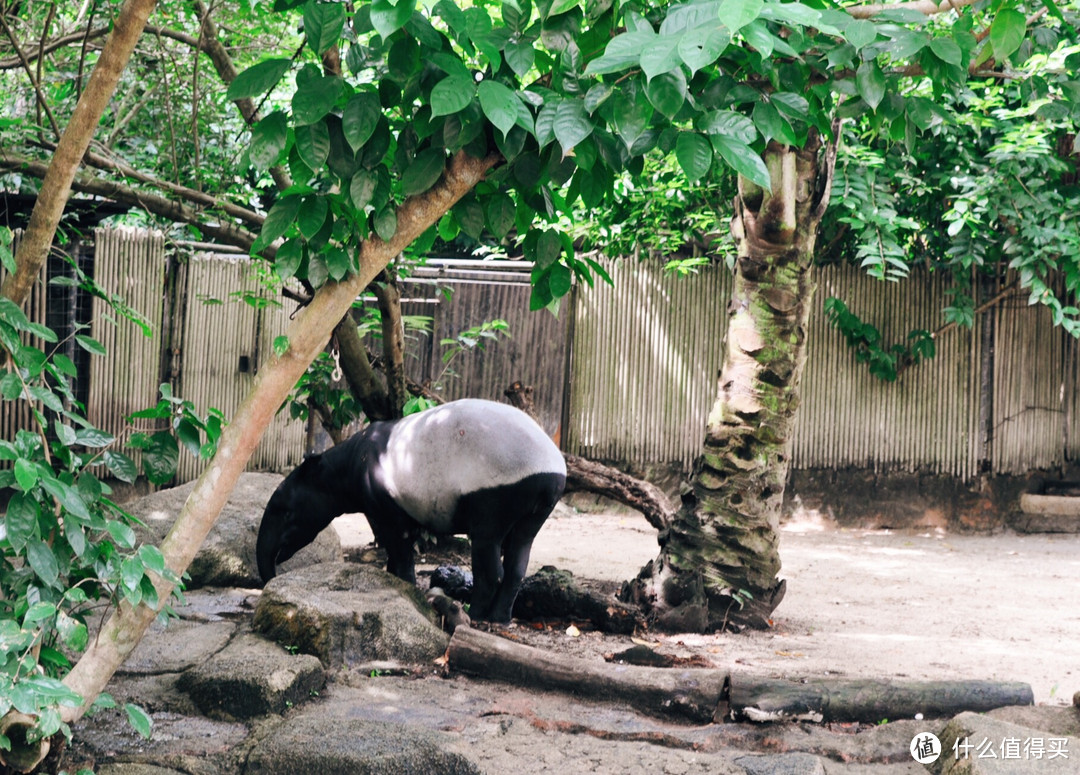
x,y
388,295
719,562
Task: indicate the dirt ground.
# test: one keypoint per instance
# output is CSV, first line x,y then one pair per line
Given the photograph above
x,y
860,604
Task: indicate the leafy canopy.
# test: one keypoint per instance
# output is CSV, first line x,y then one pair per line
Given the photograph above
x,y
572,96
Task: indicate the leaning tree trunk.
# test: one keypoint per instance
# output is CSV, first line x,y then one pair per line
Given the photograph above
x,y
719,562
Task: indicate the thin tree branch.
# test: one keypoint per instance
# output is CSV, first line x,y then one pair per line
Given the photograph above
x,y
927,7
10,63
226,70
158,205
29,74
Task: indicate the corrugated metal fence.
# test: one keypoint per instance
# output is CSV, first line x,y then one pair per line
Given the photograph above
x,y
646,354
628,373
170,323
534,353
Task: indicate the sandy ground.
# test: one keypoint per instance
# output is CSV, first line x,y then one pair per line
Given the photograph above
x,y
864,604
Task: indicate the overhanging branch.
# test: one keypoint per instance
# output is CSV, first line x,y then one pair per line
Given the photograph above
x,y
927,7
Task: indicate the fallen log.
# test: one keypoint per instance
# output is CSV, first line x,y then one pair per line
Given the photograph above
x,y
695,694
868,701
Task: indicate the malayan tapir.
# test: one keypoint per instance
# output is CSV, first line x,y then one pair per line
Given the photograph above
x,y
476,467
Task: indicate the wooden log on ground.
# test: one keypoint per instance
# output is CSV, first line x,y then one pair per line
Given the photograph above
x,y
869,701
695,694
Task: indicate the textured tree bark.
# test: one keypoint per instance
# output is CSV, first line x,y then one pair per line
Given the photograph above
x,y
690,693
719,562
752,698
361,377
388,295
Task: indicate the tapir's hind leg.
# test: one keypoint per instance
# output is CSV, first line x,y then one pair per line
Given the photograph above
x,y
504,521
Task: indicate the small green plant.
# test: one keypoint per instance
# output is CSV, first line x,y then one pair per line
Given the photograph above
x,y
470,340
865,340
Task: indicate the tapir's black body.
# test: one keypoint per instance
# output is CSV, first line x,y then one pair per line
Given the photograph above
x,y
475,467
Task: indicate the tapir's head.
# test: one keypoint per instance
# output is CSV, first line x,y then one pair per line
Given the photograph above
x,y
291,519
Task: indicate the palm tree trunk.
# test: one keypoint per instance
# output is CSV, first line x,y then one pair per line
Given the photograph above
x,y
719,562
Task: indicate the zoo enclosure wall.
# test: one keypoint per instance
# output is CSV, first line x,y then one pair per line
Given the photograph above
x,y
626,374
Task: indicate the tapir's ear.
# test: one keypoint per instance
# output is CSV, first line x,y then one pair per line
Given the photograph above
x,y
309,466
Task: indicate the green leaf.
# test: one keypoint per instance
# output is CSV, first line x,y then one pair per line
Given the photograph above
x,y
289,257
860,33
323,23
728,122
269,139
139,720
425,170
312,215
947,50
43,562
500,212
794,106
258,79
736,14
386,223
121,466
388,17
694,155
667,92
548,249
313,144
94,437
499,103
37,612
451,95
470,215
91,345
68,496
362,188
870,83
72,632
520,55
742,158
10,386
315,98
661,55
631,114
121,533
702,46
448,227
571,124
278,220
26,474
160,458
560,280
21,520
622,52
1007,32
359,118
337,261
